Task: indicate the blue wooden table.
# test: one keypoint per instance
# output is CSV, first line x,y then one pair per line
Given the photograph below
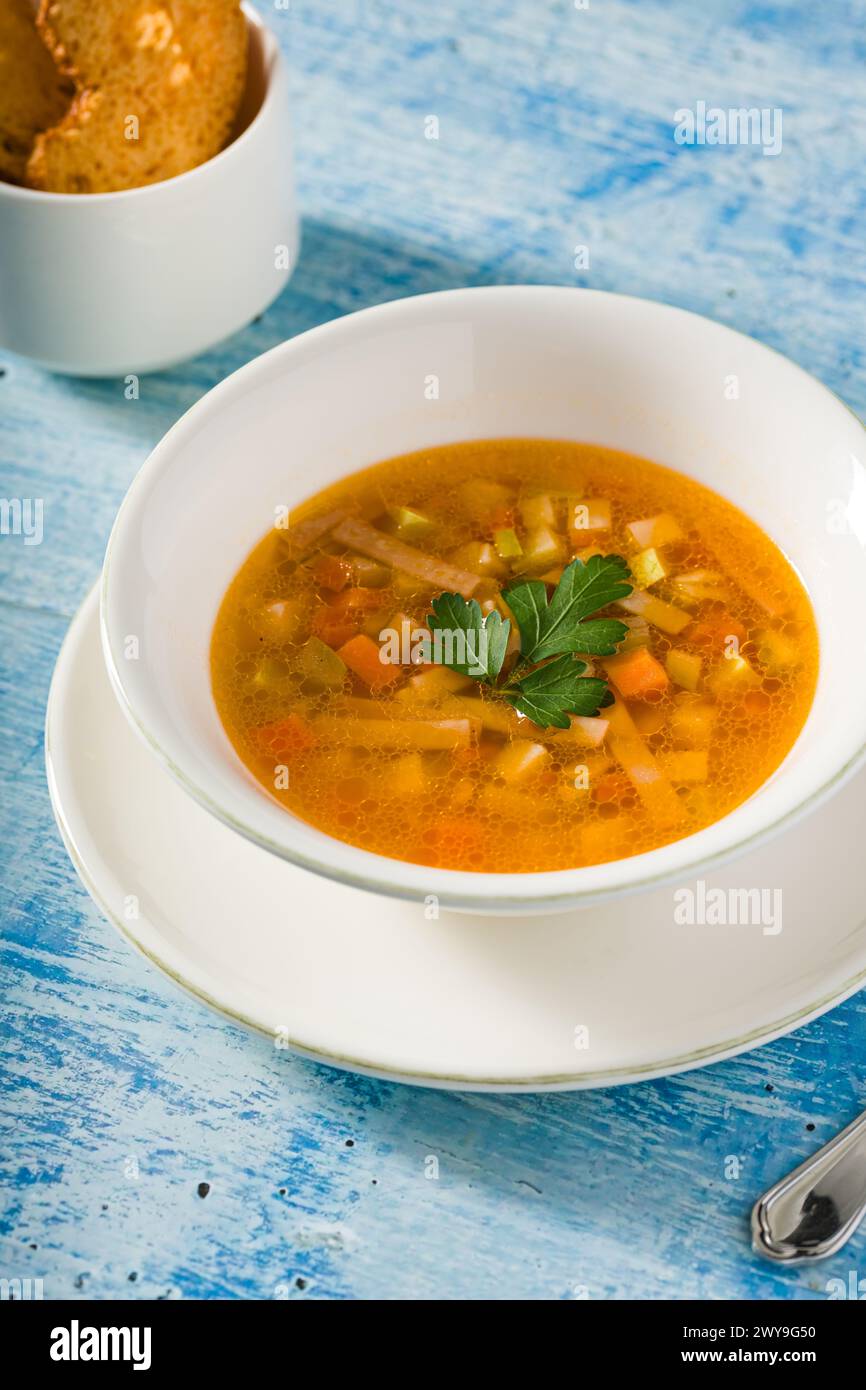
x,y
152,1149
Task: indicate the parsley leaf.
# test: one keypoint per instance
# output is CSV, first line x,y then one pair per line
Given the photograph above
x,y
546,690
551,692
549,629
466,642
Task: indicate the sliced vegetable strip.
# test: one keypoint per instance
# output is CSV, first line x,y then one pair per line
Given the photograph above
x,y
359,535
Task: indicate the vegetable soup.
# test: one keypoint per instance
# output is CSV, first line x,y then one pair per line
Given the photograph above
x,y
514,655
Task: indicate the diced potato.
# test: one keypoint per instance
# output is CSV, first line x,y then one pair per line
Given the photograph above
x,y
776,651
691,721
538,512
408,524
647,568
588,729
407,776
590,514
543,549
432,684
517,762
507,545
647,778
283,620
481,558
320,663
732,674
656,530
662,615
684,668
690,765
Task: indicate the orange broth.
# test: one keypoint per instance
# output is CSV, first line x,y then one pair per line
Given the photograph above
x,y
713,682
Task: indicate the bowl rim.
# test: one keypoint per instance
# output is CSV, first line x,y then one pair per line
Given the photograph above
x,y
274,65
436,882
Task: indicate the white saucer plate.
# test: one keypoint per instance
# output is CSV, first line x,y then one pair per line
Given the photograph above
x,y
610,994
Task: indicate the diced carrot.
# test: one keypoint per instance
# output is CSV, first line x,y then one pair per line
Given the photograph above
x,y
714,632
332,626
361,655
637,674
331,572
357,600
337,621
284,738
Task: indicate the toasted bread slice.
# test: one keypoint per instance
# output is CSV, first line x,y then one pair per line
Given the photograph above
x,y
158,85
33,93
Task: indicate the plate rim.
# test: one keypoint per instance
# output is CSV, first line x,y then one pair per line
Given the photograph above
x,y
567,1081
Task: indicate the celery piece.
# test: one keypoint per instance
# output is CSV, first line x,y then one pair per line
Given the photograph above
x,y
543,549
684,668
319,662
408,524
479,557
369,574
647,568
508,546
538,512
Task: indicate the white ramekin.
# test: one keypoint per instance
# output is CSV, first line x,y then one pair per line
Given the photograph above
x,y
508,361
106,284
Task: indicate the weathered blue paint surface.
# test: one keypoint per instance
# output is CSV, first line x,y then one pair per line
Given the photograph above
x,y
121,1096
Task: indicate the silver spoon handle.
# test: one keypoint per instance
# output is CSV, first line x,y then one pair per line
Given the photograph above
x,y
812,1212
